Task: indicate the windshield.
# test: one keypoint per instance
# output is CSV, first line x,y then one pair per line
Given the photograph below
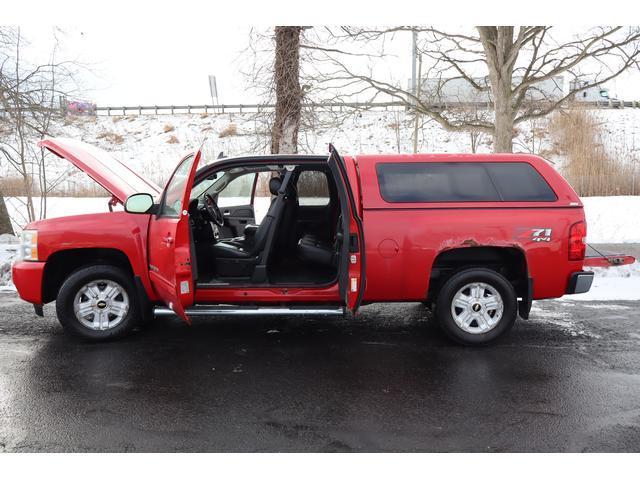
x,y
199,189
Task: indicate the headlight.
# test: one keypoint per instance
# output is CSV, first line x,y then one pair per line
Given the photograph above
x,y
29,245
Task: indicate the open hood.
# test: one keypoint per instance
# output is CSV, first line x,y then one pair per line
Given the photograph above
x,y
109,172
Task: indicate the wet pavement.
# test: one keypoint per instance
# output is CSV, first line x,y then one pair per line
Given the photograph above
x,y
568,379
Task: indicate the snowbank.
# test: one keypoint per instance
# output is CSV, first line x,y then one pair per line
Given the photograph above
x,y
616,283
56,207
612,219
8,253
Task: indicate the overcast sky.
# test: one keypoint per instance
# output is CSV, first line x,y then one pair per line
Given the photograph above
x,y
170,65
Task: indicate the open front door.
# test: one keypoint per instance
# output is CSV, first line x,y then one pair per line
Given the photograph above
x,y
170,255
352,257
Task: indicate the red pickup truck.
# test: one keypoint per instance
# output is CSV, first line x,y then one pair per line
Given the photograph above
x,y
474,237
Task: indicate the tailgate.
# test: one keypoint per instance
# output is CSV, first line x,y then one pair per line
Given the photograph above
x,y
601,258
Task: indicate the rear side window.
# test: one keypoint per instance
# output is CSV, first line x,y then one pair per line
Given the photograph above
x,y
520,182
435,182
313,189
461,182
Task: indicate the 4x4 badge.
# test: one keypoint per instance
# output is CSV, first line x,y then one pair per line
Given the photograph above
x,y
541,235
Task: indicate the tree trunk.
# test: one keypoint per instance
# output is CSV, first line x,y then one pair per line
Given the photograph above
x,y
284,134
500,55
5,221
504,116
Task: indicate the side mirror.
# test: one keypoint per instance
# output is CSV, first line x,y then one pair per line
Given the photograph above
x,y
139,203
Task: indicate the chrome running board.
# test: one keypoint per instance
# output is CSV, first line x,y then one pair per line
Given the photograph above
x,y
251,311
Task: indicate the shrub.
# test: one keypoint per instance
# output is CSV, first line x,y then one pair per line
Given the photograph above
x,y
230,130
111,137
589,167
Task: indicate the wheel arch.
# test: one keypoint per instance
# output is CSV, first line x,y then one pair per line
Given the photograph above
x,y
511,262
62,263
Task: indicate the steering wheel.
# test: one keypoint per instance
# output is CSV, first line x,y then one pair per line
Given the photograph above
x,y
213,211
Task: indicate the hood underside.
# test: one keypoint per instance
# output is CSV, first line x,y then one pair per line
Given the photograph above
x,y
113,175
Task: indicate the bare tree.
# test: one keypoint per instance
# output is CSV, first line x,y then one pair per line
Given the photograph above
x,y
5,220
507,65
315,73
284,133
30,100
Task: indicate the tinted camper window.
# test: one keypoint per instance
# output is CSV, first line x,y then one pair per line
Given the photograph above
x,y
520,182
461,182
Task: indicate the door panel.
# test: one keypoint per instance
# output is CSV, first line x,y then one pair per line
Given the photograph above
x,y
352,259
170,246
236,203
235,219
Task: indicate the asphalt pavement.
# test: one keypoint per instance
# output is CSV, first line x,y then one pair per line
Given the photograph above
x,y
565,380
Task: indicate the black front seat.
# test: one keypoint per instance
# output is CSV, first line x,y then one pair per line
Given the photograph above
x,y
247,256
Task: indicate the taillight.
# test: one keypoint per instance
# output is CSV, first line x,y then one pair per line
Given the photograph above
x,y
577,247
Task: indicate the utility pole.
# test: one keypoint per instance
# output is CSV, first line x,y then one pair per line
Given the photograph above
x,y
417,113
414,55
213,89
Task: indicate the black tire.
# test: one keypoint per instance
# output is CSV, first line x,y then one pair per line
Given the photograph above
x,y
459,280
75,282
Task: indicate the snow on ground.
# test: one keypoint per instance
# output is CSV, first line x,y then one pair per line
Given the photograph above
x,y
612,288
612,219
56,207
560,318
615,283
8,254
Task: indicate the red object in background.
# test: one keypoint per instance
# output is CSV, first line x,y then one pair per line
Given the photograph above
x,y
80,108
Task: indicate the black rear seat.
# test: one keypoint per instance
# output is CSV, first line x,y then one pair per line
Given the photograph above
x,y
313,250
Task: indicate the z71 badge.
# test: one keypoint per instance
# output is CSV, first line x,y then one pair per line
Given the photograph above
x,y
541,234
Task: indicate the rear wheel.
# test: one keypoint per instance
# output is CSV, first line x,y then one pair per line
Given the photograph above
x,y
476,306
98,303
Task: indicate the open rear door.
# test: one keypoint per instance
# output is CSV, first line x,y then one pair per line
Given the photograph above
x,y
170,255
352,257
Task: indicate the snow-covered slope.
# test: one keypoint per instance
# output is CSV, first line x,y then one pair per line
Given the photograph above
x,y
612,219
154,144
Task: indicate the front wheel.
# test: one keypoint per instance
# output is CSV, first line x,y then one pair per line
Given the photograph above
x,y
476,306
98,303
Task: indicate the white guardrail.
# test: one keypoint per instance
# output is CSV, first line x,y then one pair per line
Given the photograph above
x,y
90,109
328,106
